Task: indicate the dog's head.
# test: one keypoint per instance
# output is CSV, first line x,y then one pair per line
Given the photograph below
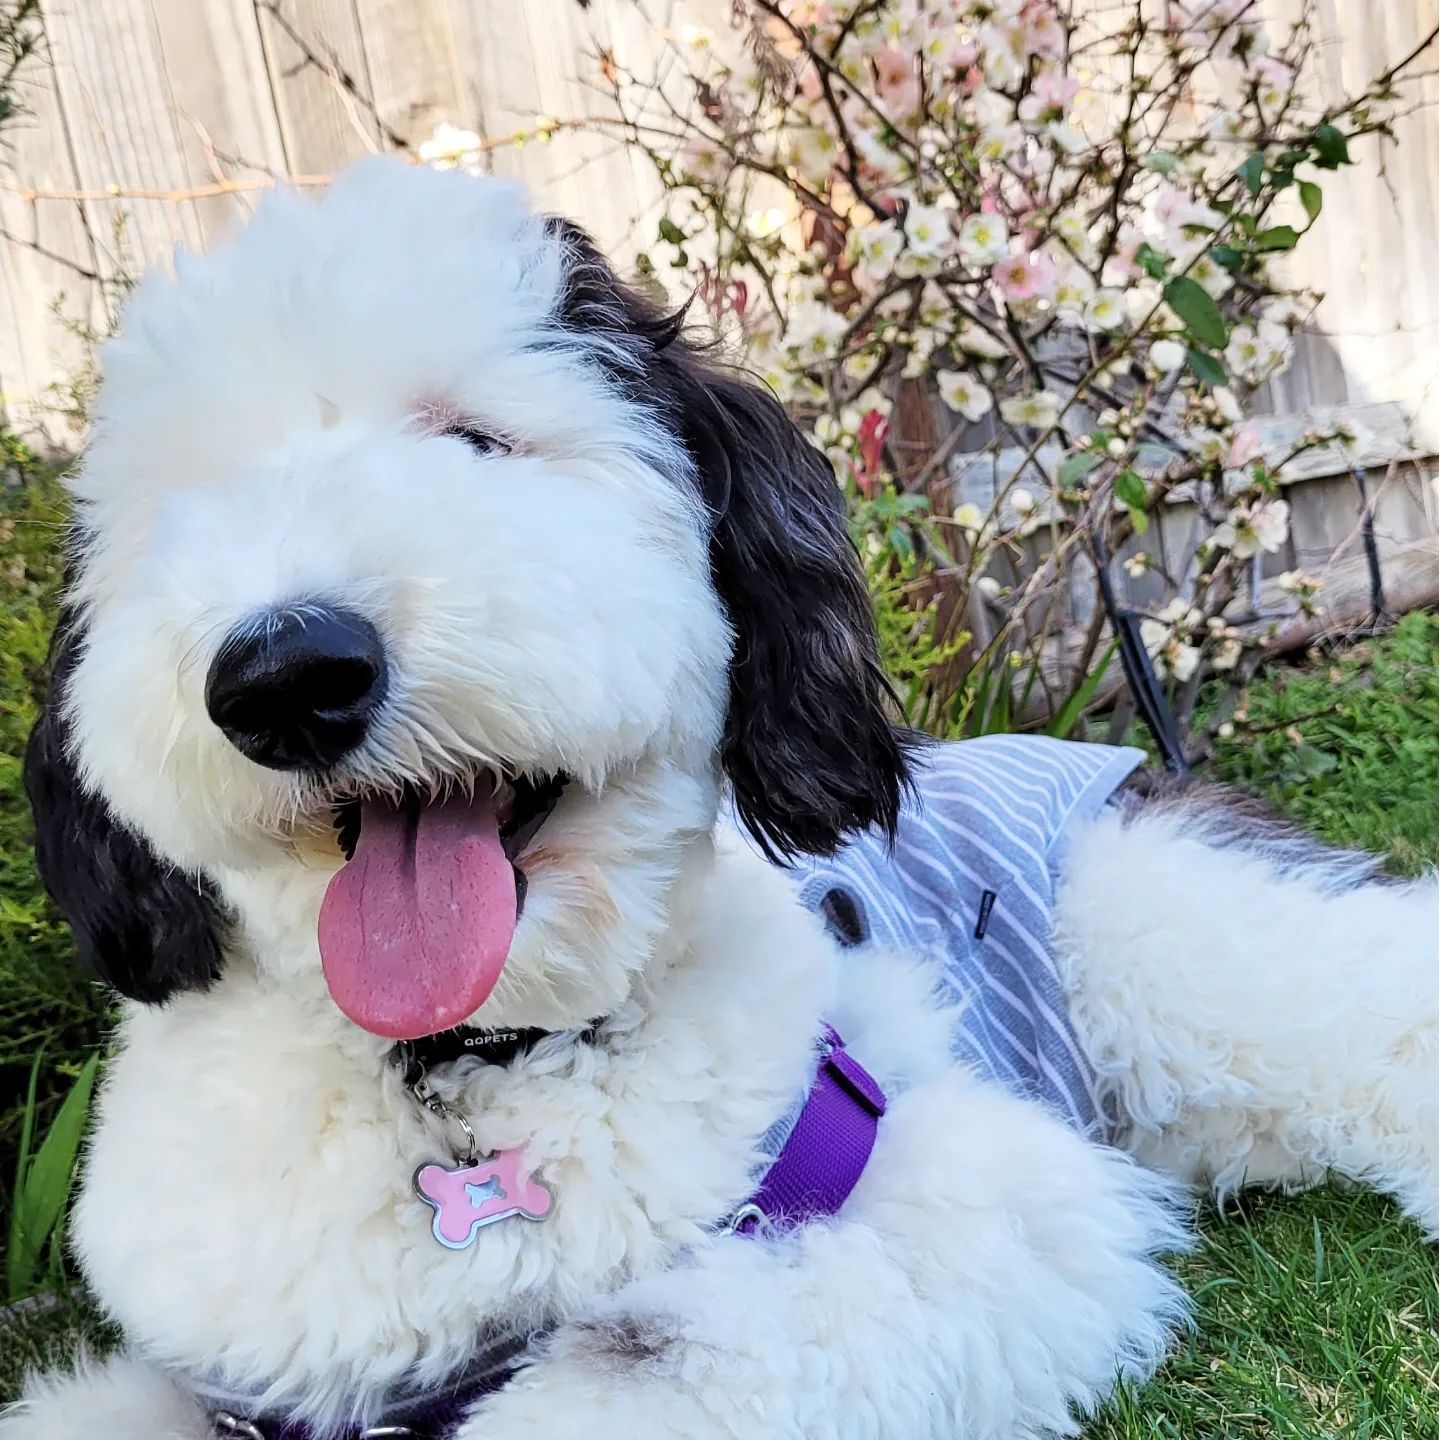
x,y
407,532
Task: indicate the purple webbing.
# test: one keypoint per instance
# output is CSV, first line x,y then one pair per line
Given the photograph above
x,y
826,1152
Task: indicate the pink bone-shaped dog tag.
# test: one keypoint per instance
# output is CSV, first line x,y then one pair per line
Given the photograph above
x,y
470,1196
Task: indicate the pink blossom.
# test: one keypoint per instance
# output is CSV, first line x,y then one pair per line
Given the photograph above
x,y
897,82
1025,277
1055,90
1044,34
1270,71
1244,446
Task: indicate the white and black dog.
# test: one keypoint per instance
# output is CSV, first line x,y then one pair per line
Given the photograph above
x,y
408,533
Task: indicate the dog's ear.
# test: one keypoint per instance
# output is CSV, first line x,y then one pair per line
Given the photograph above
x,y
145,927
809,744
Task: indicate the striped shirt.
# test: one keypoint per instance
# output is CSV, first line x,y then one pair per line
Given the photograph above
x,y
971,878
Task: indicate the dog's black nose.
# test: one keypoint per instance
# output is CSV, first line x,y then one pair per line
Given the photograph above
x,y
297,690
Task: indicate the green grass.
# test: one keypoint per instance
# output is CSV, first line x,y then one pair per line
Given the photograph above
x,y
1315,1317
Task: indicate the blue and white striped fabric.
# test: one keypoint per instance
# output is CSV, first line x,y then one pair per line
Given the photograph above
x,y
971,877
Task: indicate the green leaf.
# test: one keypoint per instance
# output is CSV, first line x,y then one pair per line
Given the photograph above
x,y
900,543
1139,519
1130,489
1151,261
1161,161
1278,237
1252,172
670,231
1076,467
41,1195
1226,256
1206,367
1074,707
1332,149
1200,313
1311,198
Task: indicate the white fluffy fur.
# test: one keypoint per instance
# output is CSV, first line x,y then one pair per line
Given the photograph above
x,y
1250,1024
246,1213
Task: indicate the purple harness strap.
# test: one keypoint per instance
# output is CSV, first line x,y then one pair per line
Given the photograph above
x,y
818,1166
825,1153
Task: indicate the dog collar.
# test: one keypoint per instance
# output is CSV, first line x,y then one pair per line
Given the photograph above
x,y
494,1047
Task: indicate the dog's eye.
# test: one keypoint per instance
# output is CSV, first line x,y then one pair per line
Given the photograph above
x,y
480,441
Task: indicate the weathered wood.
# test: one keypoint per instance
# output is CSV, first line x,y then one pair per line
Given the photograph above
x,y
47,265
119,114
1373,254
320,80
221,93
413,76
540,60
305,85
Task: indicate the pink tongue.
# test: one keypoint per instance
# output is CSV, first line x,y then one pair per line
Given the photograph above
x,y
415,929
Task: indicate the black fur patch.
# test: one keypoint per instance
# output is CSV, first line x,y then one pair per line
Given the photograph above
x,y
628,1342
146,928
810,746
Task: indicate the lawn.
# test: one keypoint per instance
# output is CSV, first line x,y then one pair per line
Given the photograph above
x,y
1315,1317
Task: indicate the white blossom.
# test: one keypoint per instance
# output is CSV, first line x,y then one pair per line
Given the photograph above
x,y
813,152
1105,310
1214,279
876,247
927,229
450,148
1227,404
1167,356
984,239
964,393
1249,529
977,341
999,142
1039,409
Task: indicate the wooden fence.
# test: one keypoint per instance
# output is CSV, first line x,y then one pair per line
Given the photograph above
x,y
140,99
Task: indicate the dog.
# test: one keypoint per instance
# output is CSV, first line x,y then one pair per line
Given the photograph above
x,y
409,534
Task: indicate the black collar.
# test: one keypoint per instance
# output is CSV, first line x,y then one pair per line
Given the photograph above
x,y
494,1047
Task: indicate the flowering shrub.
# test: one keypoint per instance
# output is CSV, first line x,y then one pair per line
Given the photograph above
x,y
1013,263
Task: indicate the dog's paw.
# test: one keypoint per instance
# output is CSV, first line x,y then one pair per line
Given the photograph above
x,y
121,1398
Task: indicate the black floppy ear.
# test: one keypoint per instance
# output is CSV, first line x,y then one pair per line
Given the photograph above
x,y
809,744
146,928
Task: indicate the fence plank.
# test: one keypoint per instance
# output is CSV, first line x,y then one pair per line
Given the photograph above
x,y
1373,253
120,116
216,65
411,53
47,260
541,63
321,82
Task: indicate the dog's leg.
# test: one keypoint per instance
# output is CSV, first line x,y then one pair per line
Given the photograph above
x,y
990,1277
1262,1010
122,1398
